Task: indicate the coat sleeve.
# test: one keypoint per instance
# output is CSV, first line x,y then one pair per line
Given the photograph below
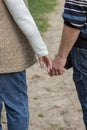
x,y
24,20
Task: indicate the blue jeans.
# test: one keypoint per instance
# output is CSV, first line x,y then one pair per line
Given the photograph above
x,y
13,92
79,62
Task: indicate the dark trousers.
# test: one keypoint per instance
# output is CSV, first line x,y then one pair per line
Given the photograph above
x,y
79,61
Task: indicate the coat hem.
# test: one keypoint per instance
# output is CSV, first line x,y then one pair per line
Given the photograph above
x,y
16,68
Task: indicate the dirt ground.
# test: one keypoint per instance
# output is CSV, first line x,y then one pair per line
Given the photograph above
x,y
53,102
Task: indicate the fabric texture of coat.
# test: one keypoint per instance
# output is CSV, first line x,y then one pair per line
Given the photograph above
x,y
16,54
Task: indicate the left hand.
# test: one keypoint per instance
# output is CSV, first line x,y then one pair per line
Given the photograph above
x,y
58,65
46,60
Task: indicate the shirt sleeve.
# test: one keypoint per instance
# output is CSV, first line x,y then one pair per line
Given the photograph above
x,y
24,20
74,14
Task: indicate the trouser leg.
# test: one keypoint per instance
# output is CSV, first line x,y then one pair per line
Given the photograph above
x,y
1,105
16,100
79,62
82,94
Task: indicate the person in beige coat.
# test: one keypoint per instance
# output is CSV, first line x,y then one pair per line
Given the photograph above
x,y
20,40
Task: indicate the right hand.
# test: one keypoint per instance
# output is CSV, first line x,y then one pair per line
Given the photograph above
x,y
58,65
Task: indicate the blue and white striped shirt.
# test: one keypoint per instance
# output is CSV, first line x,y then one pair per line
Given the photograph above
x,y
75,15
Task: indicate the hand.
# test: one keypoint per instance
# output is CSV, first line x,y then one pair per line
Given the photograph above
x,y
46,60
58,65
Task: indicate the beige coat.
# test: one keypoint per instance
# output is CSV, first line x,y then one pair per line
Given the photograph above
x,y
16,53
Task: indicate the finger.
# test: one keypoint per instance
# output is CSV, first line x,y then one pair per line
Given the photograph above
x,y
41,63
56,73
50,65
48,62
53,71
61,72
49,72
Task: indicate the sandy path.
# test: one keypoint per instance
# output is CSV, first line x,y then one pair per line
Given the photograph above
x,y
53,101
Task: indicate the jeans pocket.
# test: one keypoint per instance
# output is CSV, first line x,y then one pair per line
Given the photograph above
x,y
82,60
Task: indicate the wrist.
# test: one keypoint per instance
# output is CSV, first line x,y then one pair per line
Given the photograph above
x,y
61,55
43,54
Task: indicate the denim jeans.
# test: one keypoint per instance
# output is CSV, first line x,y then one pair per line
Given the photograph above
x,y
13,92
79,62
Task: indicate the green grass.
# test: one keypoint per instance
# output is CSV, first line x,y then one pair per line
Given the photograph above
x,y
39,10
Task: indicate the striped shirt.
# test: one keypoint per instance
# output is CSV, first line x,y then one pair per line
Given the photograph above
x,y
75,15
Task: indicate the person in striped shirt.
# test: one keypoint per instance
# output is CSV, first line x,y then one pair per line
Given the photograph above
x,y
74,42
